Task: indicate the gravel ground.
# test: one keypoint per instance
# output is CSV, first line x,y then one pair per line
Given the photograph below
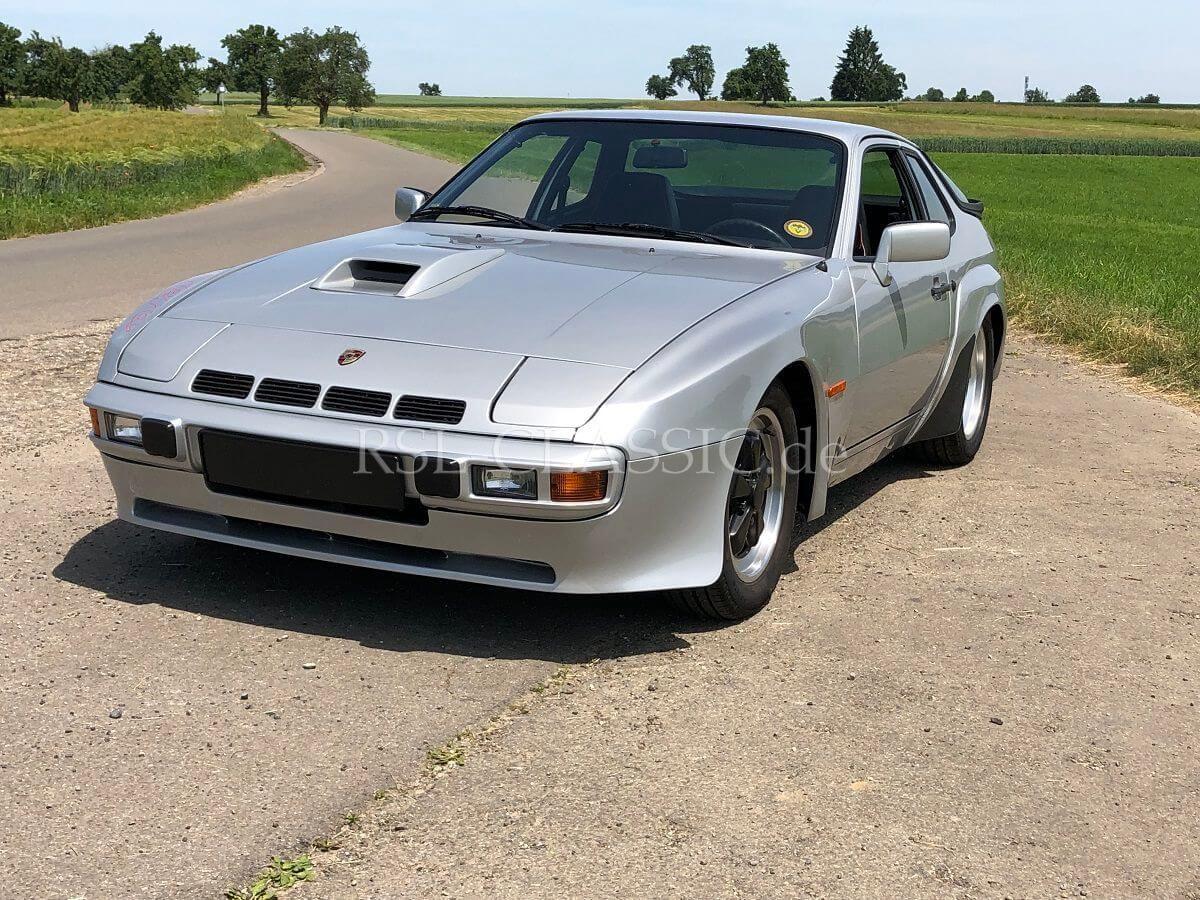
x,y
977,683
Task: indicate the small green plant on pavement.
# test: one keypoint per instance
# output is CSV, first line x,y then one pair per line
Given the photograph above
x,y
280,875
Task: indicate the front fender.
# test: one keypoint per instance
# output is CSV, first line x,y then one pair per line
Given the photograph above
x,y
704,385
146,313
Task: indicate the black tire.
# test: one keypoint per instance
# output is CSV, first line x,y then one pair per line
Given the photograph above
x,y
959,448
731,598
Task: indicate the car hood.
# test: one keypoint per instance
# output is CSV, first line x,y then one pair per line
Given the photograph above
x,y
587,299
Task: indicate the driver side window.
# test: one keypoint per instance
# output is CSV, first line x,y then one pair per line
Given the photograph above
x,y
885,200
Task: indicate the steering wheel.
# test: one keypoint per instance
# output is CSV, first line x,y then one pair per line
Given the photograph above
x,y
736,227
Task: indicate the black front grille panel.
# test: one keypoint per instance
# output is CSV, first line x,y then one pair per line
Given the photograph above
x,y
222,384
430,409
287,393
357,402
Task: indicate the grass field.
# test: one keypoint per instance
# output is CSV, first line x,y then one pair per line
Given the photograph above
x,y
60,170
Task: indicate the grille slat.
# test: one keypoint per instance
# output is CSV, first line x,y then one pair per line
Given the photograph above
x,y
357,401
278,392
430,409
222,384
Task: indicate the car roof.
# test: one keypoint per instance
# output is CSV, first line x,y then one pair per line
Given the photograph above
x,y
847,132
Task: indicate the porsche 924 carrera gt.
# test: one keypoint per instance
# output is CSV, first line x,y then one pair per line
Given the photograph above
x,y
619,351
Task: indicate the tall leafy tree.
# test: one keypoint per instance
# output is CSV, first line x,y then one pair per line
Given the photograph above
x,y
694,69
862,74
763,77
1037,95
984,96
165,78
1147,98
112,70
933,95
429,90
214,74
254,53
58,72
12,63
962,96
660,87
324,69
1085,94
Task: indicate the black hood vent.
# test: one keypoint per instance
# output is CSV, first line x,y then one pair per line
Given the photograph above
x,y
222,384
287,393
430,409
356,402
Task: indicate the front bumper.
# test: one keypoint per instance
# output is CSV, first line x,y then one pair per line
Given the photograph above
x,y
664,531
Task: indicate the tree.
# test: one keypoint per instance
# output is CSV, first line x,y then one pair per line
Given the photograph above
x,y
764,77
429,90
1146,98
112,70
1037,95
660,87
12,63
1085,94
215,74
984,97
695,69
961,96
933,95
324,69
862,74
253,54
163,78
58,72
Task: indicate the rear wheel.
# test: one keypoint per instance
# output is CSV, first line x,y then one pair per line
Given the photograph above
x,y
759,518
960,448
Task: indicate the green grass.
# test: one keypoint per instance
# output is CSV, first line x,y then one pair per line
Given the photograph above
x,y
60,171
1099,253
442,143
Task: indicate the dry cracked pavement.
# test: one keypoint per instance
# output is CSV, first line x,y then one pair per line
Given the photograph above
x,y
976,683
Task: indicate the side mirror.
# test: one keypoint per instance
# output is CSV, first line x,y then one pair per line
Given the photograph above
x,y
910,242
408,201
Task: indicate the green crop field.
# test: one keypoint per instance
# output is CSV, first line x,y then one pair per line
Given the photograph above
x,y
61,170
1095,246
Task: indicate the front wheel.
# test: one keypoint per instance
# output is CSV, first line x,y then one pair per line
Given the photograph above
x,y
759,518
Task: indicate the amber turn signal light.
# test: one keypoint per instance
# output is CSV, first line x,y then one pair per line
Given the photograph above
x,y
95,420
578,487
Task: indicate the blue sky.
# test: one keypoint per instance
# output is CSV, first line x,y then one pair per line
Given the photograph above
x,y
607,48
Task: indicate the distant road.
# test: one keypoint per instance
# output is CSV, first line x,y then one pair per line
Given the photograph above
x,y
58,281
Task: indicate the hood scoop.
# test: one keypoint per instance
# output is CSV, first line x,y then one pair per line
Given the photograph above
x,y
419,270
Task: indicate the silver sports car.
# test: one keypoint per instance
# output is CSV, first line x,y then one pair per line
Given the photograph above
x,y
619,351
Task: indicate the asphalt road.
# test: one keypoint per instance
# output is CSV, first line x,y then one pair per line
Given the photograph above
x,y
55,282
173,713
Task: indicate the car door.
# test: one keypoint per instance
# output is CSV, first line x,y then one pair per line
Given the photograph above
x,y
903,328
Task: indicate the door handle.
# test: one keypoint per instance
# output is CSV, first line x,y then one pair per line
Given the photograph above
x,y
939,290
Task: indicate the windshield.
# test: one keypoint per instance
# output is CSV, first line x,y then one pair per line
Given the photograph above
x,y
755,187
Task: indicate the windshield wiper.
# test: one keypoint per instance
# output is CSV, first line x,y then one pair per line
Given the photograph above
x,y
483,212
640,228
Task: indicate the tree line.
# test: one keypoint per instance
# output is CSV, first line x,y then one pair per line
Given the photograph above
x,y
861,75
318,68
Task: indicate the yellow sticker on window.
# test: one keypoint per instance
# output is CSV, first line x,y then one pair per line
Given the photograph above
x,y
798,228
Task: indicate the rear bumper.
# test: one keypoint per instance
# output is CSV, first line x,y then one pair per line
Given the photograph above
x,y
665,531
